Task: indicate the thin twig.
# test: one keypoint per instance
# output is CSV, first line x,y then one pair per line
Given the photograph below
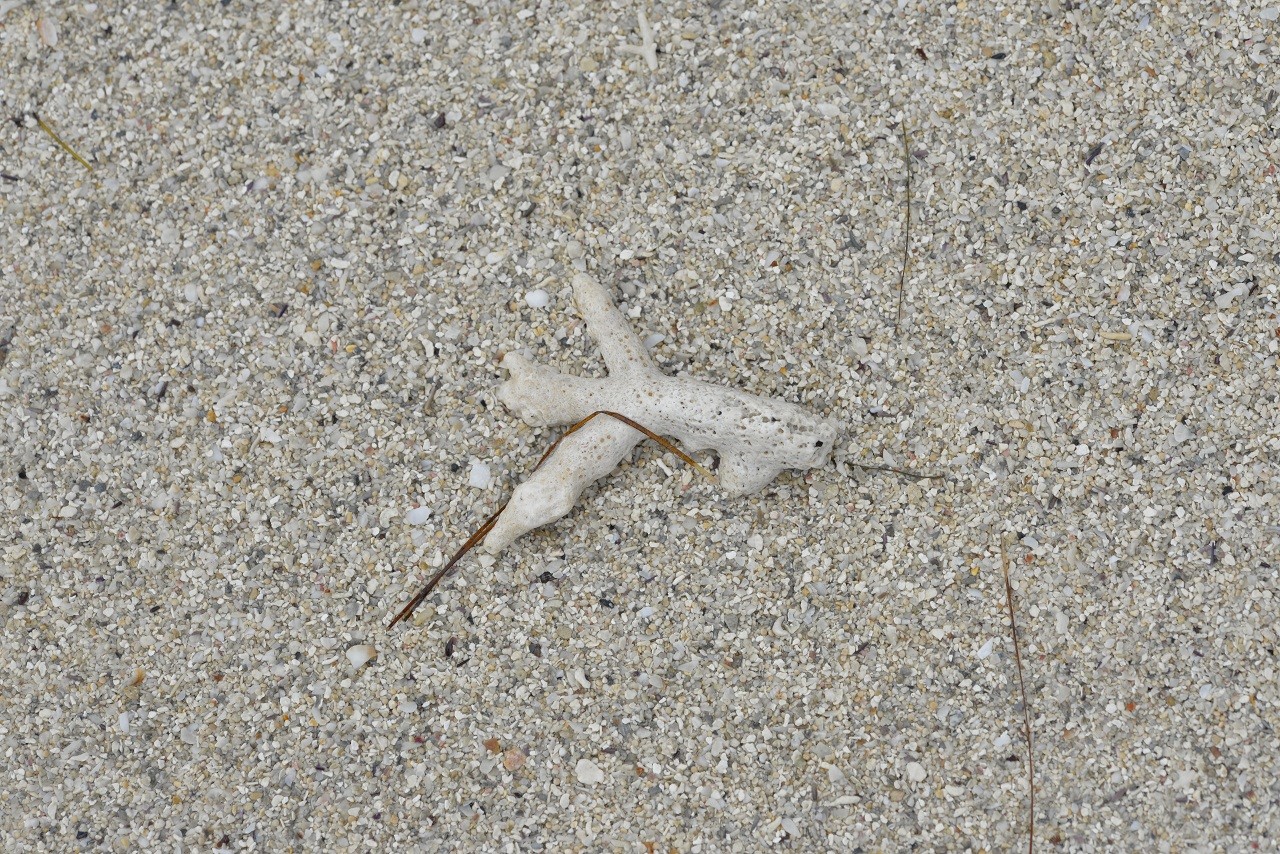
x,y
68,149
1026,711
483,531
906,229
909,474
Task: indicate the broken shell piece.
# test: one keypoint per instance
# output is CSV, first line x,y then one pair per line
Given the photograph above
x,y
756,437
360,655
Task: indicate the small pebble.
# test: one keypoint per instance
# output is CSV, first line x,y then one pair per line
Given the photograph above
x,y
589,772
48,31
480,475
916,772
537,298
417,515
513,759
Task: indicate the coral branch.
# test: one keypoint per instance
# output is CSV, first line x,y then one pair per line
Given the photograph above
x,y
756,437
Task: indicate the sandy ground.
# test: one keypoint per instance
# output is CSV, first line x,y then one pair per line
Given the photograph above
x,y
247,388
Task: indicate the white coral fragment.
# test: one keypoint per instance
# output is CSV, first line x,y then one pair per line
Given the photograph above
x,y
755,437
648,48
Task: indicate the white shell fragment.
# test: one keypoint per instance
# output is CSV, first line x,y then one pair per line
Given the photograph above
x,y
537,299
417,515
589,772
480,475
756,437
360,655
648,48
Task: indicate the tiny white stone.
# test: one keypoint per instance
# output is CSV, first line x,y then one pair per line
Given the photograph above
x,y
755,542
644,612
1271,13
589,772
417,35
1002,741
48,31
537,299
1181,433
123,722
480,476
916,772
360,654
417,515
985,650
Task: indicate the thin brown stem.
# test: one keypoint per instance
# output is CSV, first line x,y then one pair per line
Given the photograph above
x,y
908,474
68,149
1026,710
906,229
472,541
483,531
